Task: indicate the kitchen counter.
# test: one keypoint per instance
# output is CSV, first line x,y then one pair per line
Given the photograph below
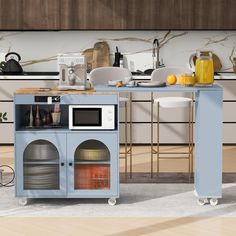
x,y
168,88
208,133
55,76
219,76
31,75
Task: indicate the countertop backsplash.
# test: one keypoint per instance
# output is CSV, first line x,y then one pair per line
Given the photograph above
x,y
39,49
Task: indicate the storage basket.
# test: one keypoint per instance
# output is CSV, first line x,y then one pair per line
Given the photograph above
x,y
92,176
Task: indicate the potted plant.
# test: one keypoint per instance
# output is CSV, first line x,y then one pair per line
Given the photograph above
x,y
3,116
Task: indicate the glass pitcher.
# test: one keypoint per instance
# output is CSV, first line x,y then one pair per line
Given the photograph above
x,y
204,70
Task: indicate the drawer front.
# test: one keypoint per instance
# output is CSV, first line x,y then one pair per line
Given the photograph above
x,y
142,113
229,89
229,111
7,133
8,88
229,133
70,99
147,96
169,133
8,107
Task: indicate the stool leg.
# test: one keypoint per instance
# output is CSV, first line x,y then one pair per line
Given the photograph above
x,y
131,135
126,134
158,136
151,135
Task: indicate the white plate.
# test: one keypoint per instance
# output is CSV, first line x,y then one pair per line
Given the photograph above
x,y
151,84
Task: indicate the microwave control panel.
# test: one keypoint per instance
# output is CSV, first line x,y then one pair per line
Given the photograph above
x,y
47,99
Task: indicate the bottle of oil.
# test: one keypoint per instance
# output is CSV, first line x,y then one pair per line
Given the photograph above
x,y
204,70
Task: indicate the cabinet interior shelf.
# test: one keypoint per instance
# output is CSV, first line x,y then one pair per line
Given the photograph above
x,y
41,162
65,129
91,162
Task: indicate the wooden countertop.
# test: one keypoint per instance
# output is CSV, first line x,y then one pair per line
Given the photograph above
x,y
53,91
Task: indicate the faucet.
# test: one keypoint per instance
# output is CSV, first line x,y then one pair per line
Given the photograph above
x,y
155,54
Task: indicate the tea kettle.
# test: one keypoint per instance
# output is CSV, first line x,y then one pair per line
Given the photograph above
x,y
12,65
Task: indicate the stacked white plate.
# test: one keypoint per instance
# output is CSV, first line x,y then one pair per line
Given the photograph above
x,y
41,150
41,177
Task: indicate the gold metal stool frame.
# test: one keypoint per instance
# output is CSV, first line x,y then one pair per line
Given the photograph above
x,y
128,150
189,154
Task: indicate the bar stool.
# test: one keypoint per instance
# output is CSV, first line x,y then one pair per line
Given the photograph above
x,y
171,102
101,76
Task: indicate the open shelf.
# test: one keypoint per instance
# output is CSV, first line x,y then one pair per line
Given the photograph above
x,y
41,163
39,117
91,162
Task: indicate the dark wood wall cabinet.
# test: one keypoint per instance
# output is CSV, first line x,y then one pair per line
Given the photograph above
x,y
117,14
29,14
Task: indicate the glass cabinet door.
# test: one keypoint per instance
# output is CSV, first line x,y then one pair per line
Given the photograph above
x,y
93,163
40,164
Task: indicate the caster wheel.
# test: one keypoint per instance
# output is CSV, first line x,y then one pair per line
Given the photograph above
x,y
112,201
23,201
213,201
202,201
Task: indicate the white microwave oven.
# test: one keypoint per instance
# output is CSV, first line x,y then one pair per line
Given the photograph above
x,y
92,117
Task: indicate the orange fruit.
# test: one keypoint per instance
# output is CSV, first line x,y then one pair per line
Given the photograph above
x,y
171,79
119,84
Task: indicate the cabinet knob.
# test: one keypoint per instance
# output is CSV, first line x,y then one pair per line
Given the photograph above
x,y
70,164
62,164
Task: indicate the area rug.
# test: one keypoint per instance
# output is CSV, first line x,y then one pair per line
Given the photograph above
x,y
136,200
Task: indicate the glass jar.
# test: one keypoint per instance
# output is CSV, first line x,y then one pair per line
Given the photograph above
x,y
204,70
187,80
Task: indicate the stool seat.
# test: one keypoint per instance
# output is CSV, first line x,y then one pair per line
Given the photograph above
x,y
173,102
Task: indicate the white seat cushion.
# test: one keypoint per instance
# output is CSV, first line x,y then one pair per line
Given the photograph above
x,y
172,102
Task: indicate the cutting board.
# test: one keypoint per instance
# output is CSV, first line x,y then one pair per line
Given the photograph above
x,y
101,55
98,56
88,53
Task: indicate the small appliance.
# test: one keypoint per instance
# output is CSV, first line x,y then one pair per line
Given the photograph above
x,y
72,71
11,64
92,117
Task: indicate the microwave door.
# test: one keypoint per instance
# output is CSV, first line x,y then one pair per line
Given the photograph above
x,y
87,118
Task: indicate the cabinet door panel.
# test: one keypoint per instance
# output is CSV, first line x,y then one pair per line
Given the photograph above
x,y
76,143
40,14
214,14
160,14
39,165
91,14
8,87
10,14
7,133
29,14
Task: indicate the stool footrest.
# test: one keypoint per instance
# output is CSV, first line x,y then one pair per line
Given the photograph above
x,y
128,152
171,157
